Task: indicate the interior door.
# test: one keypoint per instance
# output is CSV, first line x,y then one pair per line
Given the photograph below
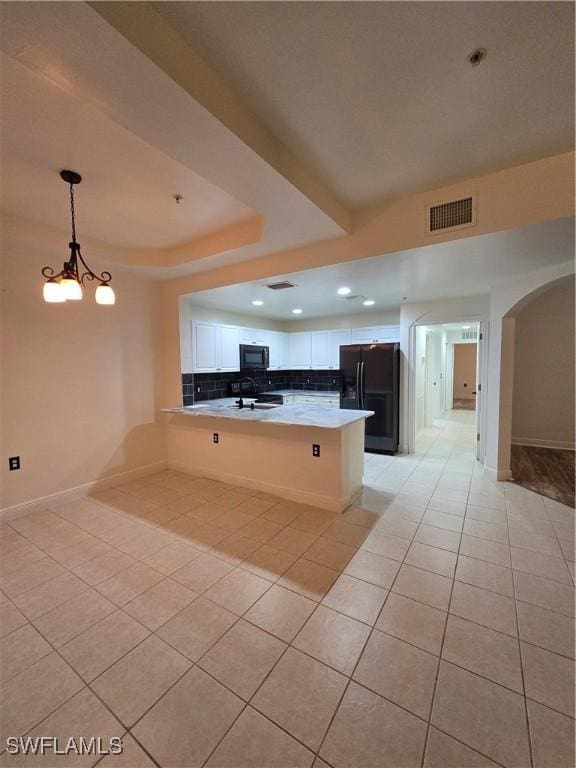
x,y
428,382
480,362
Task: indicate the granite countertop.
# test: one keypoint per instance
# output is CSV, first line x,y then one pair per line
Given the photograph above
x,y
252,398
291,415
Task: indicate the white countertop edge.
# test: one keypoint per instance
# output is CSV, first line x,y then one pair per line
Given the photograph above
x,y
288,415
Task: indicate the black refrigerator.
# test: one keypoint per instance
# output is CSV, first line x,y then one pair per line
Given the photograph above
x,y
371,382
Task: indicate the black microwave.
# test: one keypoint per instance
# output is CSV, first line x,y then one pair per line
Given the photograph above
x,y
253,357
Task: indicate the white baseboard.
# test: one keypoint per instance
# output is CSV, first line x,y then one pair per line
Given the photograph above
x,y
497,474
61,497
535,442
292,494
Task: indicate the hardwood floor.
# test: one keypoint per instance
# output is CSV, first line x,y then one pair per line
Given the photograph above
x,y
547,471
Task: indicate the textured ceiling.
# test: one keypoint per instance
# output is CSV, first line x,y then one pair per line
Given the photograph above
x,y
378,97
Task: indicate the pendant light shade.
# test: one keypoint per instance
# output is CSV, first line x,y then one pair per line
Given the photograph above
x,y
53,292
71,288
105,294
67,284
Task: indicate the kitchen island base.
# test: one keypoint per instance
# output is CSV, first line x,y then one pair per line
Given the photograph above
x,y
273,458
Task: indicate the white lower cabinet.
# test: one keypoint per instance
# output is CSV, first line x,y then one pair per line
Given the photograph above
x,y
316,400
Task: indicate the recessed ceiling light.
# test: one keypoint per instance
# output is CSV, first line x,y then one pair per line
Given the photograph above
x,y
465,327
297,311
257,303
344,291
369,302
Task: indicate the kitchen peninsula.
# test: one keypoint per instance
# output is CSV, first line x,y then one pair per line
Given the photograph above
x,y
273,449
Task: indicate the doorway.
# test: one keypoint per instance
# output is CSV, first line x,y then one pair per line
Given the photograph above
x,y
464,376
447,373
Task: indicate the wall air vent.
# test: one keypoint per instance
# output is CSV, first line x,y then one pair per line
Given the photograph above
x,y
280,286
466,335
455,214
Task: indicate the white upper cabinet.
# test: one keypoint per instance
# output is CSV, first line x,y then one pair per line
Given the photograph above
x,y
337,339
320,345
278,344
300,349
253,336
376,334
203,347
229,348
388,333
215,348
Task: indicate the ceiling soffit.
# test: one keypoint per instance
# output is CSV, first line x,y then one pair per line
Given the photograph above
x,y
162,45
78,52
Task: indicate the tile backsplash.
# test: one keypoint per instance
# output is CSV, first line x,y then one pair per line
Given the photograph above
x,y
215,385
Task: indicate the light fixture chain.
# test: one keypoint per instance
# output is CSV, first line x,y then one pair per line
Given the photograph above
x,y
72,212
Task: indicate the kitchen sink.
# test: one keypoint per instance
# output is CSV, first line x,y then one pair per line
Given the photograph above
x,y
256,406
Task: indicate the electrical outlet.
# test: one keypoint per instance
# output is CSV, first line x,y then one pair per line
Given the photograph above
x,y
307,381
269,381
315,449
14,463
333,381
198,389
216,437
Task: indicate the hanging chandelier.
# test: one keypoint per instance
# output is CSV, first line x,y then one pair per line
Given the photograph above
x,y
67,284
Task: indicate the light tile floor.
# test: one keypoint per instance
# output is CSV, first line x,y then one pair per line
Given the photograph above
x,y
430,625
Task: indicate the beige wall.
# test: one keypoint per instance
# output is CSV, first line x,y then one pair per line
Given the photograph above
x,y
538,191
80,381
543,399
359,320
464,370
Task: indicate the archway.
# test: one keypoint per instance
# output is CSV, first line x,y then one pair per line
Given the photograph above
x,y
542,450
506,302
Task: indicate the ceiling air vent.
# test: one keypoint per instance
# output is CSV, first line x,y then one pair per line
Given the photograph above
x,y
455,214
280,286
